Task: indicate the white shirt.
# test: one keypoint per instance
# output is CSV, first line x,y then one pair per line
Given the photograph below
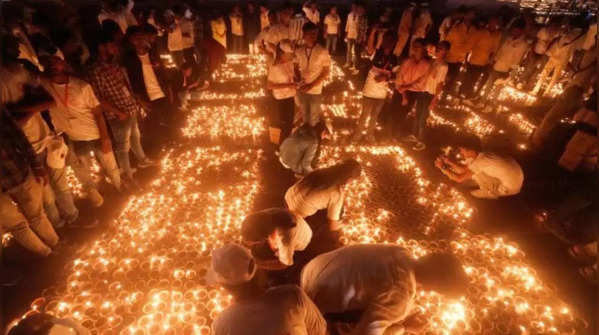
x,y
175,39
37,132
436,76
377,279
304,204
151,81
506,169
282,74
312,15
510,54
374,89
311,64
73,113
281,310
236,25
544,38
332,22
351,27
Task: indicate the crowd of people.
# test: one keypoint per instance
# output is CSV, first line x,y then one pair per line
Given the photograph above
x,y
74,89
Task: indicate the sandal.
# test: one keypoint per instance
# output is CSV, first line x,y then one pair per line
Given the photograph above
x,y
589,273
580,254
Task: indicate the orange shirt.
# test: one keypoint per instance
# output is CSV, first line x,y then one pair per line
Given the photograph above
x,y
458,37
484,43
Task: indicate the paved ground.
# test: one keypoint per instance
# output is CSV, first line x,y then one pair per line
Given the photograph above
x,y
143,268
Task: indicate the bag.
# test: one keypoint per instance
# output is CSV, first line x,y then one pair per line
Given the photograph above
x,y
57,152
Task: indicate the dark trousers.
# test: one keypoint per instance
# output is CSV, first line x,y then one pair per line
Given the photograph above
x,y
189,55
453,71
285,110
476,74
237,44
421,101
418,100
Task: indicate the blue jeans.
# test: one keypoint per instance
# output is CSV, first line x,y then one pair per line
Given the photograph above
x,y
57,196
310,107
126,137
351,54
332,43
422,100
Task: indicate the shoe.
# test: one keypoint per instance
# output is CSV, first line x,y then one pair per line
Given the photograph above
x,y
419,146
10,277
481,194
411,138
95,197
85,225
146,163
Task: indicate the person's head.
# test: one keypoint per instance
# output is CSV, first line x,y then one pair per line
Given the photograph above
x,y
441,49
468,148
141,14
10,49
45,324
284,52
310,31
112,29
360,9
285,16
150,33
231,265
335,176
54,67
494,23
108,48
518,28
389,39
442,273
236,9
417,51
333,10
137,38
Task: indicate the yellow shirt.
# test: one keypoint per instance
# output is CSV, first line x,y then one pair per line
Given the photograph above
x,y
484,43
459,39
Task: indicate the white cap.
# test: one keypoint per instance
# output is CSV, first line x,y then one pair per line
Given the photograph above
x,y
286,46
231,264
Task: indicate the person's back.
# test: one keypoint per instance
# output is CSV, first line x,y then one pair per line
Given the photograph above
x,y
283,309
298,150
504,168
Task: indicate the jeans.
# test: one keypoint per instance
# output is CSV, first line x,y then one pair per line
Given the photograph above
x,y
332,43
237,44
351,54
310,107
422,101
476,75
84,150
285,111
28,222
57,196
453,71
126,137
371,108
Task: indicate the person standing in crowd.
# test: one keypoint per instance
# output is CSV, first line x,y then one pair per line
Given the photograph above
x,y
26,50
273,236
423,23
332,22
410,84
356,33
187,23
449,21
313,63
404,29
281,80
121,109
323,189
298,151
495,175
310,9
147,78
371,288
22,178
115,11
17,94
237,33
251,27
459,39
434,84
219,29
264,17
485,41
537,58
509,55
79,115
174,36
284,309
376,89
560,52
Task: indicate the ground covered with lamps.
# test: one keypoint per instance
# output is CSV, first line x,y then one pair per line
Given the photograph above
x,y
144,273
